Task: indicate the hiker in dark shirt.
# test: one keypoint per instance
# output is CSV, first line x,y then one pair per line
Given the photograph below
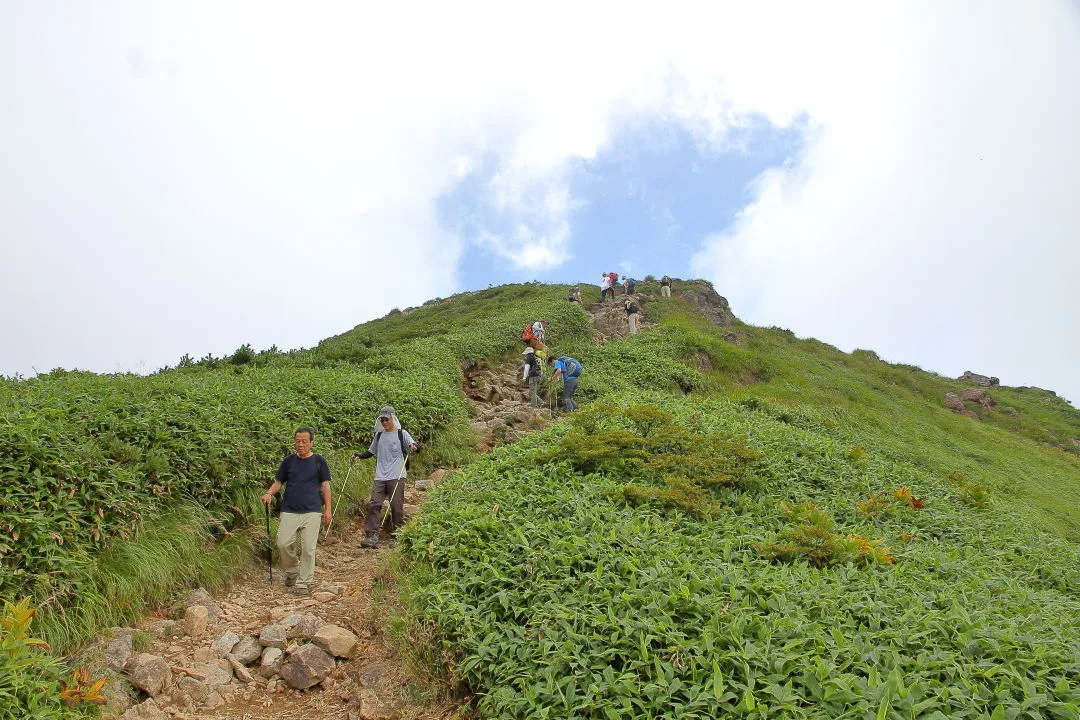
x,y
306,478
531,372
665,286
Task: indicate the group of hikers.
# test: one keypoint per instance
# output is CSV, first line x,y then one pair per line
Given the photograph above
x,y
305,475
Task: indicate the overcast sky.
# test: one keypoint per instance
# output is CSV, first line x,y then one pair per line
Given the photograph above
x,y
186,177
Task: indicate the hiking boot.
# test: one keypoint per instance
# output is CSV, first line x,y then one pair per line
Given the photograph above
x,y
290,579
372,541
300,590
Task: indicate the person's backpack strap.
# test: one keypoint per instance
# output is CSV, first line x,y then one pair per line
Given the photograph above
x,y
404,454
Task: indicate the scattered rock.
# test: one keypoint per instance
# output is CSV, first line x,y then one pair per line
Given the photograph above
x,y
980,396
247,650
306,667
217,674
204,655
323,596
983,380
309,625
273,636
238,669
214,700
149,673
197,690
146,710
118,650
272,658
410,510
225,644
199,596
336,640
276,614
162,628
372,708
196,618
954,403
336,589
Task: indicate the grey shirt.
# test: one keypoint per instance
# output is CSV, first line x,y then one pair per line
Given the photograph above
x,y
388,457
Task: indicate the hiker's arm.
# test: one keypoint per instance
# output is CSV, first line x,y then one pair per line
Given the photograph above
x,y
270,492
363,456
326,514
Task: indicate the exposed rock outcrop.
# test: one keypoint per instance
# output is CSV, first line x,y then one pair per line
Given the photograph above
x,y
983,380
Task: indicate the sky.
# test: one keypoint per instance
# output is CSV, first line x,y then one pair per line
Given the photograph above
x,y
188,177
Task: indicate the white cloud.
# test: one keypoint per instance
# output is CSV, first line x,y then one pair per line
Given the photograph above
x,y
188,177
932,213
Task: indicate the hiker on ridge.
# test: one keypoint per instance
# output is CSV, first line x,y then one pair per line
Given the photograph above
x,y
631,314
574,295
568,369
530,373
631,283
665,286
392,448
306,478
538,328
605,287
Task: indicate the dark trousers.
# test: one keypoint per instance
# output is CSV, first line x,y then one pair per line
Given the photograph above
x,y
381,490
568,388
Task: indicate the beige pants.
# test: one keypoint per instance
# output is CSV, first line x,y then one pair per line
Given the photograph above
x,y
632,319
665,291
306,525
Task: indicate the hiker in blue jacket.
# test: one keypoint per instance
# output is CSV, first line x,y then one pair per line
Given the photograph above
x,y
392,447
568,369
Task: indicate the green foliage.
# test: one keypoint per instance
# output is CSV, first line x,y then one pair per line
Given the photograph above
x,y
540,596
31,684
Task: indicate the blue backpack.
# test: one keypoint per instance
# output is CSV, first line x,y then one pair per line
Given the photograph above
x,y
573,367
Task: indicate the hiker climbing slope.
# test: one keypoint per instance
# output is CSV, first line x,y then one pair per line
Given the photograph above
x,y
568,370
631,314
530,373
391,447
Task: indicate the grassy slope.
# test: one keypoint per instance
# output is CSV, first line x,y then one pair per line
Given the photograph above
x,y
641,589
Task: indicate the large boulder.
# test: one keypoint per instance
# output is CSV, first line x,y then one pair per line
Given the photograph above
x,y
980,396
306,667
149,673
336,640
983,380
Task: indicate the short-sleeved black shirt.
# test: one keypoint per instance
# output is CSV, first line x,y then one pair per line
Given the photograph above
x,y
303,480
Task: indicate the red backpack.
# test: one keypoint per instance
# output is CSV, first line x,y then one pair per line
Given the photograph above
x,y
527,334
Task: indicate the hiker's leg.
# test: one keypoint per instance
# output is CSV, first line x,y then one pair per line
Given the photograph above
x,y
534,397
309,538
397,503
632,319
374,510
288,525
665,291
569,386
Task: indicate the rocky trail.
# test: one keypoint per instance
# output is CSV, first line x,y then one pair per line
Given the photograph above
x,y
255,651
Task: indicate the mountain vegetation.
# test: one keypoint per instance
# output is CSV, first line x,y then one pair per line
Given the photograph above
x,y
737,522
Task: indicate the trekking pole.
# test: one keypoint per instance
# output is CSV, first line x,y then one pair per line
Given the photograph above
x,y
269,545
393,492
344,485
